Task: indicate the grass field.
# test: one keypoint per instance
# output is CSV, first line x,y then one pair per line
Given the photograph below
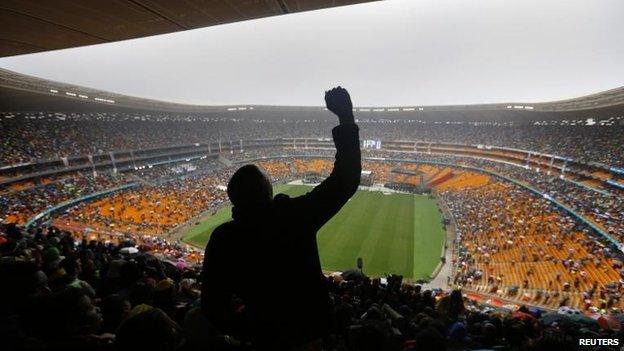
x,y
395,233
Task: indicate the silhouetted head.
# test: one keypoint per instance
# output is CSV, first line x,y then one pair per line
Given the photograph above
x,y
249,187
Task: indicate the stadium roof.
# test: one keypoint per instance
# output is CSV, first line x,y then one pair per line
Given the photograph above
x,y
19,92
29,26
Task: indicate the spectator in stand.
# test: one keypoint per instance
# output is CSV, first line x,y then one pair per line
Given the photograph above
x,y
266,233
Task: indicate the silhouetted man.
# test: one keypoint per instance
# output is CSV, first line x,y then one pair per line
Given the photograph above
x,y
268,255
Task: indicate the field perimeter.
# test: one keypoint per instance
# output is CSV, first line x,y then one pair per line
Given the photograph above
x,y
393,233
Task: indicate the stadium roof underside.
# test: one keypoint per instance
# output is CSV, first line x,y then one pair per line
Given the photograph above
x,y
29,26
23,93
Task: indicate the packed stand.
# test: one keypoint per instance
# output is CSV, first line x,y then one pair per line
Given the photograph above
x,y
62,293
38,136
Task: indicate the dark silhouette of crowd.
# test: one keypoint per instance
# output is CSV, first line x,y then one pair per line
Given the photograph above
x,y
86,295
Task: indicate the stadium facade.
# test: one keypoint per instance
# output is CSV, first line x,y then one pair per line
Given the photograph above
x,y
22,93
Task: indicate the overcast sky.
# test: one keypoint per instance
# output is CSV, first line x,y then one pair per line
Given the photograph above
x,y
395,52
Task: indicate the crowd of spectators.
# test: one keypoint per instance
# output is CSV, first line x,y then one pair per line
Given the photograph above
x,y
153,209
62,293
28,137
164,173
19,205
605,207
511,242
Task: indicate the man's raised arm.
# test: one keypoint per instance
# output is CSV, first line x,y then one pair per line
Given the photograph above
x,y
326,199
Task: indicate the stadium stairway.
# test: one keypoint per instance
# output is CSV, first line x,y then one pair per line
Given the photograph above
x,y
441,178
432,173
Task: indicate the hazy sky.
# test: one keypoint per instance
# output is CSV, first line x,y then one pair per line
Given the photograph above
x,y
395,52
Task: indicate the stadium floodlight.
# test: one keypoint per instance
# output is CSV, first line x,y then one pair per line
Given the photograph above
x,y
83,96
409,109
528,107
69,93
231,109
421,109
53,91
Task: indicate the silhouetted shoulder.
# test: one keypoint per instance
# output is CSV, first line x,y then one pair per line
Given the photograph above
x,y
220,234
280,198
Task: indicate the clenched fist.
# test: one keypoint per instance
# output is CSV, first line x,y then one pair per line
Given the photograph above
x,y
338,101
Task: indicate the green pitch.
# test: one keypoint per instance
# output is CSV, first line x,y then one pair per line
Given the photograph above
x,y
396,233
